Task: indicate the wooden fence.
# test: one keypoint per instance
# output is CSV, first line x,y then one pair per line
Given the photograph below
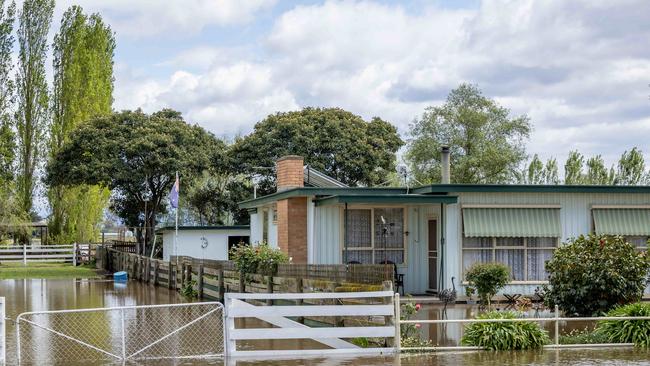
x,y
214,278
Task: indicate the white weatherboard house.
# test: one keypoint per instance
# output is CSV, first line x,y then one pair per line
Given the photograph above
x,y
433,233
203,242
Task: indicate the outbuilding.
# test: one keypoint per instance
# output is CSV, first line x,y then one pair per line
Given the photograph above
x,y
433,233
203,242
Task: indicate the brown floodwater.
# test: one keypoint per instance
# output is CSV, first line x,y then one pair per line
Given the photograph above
x,y
37,295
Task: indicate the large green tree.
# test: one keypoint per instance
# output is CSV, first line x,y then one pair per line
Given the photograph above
x,y
573,167
32,114
136,156
597,173
631,168
487,145
334,141
213,198
7,136
83,88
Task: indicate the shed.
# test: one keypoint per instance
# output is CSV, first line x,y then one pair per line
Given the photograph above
x,y
203,242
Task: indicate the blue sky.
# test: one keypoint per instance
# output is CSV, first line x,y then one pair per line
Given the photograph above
x,y
579,69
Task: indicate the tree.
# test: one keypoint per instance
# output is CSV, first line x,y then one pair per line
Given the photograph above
x,y
136,156
573,168
487,145
592,274
213,198
31,117
7,136
597,173
551,175
631,168
83,88
331,140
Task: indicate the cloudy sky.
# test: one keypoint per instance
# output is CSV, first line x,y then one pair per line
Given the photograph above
x,y
579,69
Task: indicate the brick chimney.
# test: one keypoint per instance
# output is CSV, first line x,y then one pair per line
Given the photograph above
x,y
289,170
292,212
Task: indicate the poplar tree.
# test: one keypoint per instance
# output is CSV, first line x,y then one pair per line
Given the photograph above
x,y
7,136
83,89
32,96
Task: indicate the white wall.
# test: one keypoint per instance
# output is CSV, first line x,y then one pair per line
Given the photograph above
x,y
189,243
256,227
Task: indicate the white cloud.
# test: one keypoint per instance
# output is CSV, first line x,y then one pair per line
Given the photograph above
x,y
576,68
144,18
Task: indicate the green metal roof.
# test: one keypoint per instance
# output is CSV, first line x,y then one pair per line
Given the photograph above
x,y
314,191
622,221
534,188
512,222
214,227
386,199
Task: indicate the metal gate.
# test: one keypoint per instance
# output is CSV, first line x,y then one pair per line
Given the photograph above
x,y
192,330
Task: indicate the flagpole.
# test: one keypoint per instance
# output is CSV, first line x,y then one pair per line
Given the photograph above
x,y
176,228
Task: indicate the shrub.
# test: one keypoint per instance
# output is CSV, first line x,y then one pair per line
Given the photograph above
x,y
592,274
585,336
260,259
409,333
188,291
627,331
487,279
504,336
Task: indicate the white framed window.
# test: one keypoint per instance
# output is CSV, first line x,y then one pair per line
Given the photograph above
x,y
524,256
374,235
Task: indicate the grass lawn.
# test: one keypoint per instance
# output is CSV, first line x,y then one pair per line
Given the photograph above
x,y
15,270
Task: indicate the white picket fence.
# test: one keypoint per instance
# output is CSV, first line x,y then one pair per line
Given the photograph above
x,y
332,337
39,253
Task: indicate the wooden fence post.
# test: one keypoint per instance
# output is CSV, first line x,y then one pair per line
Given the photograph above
x,y
242,282
269,289
156,268
299,302
74,254
199,281
169,274
222,289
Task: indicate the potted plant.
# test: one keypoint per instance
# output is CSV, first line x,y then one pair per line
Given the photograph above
x,y
469,292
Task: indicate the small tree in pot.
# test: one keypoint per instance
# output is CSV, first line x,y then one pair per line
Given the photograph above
x,y
487,279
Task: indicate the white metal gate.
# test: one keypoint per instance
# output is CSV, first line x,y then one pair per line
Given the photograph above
x,y
192,330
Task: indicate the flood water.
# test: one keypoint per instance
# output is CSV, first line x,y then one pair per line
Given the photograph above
x,y
38,295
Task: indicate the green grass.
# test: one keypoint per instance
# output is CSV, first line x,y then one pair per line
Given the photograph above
x,y
15,270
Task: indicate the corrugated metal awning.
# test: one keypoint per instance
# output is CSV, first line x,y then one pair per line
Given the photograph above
x,y
512,222
622,221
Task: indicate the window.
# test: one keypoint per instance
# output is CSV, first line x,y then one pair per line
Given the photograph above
x,y
374,236
524,256
640,242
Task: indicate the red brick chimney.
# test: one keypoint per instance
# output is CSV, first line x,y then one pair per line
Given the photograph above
x,y
289,170
292,212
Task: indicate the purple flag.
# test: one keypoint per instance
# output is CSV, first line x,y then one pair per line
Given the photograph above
x,y
173,194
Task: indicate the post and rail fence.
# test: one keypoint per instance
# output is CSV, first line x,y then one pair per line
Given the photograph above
x,y
211,279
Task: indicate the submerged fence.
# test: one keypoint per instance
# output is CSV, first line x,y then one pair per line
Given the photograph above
x,y
212,278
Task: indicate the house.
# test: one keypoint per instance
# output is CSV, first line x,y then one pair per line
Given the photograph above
x,y
203,242
434,232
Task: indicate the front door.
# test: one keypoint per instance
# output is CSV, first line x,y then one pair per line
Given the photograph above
x,y
433,254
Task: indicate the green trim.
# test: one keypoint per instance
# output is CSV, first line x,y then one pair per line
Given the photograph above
x,y
313,191
386,199
522,188
192,228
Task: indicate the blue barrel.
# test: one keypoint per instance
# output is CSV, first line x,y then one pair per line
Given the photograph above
x,y
120,276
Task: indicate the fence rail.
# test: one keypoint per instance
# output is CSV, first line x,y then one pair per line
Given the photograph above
x,y
556,320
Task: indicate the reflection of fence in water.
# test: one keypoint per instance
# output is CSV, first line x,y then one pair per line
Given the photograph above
x,y
136,332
